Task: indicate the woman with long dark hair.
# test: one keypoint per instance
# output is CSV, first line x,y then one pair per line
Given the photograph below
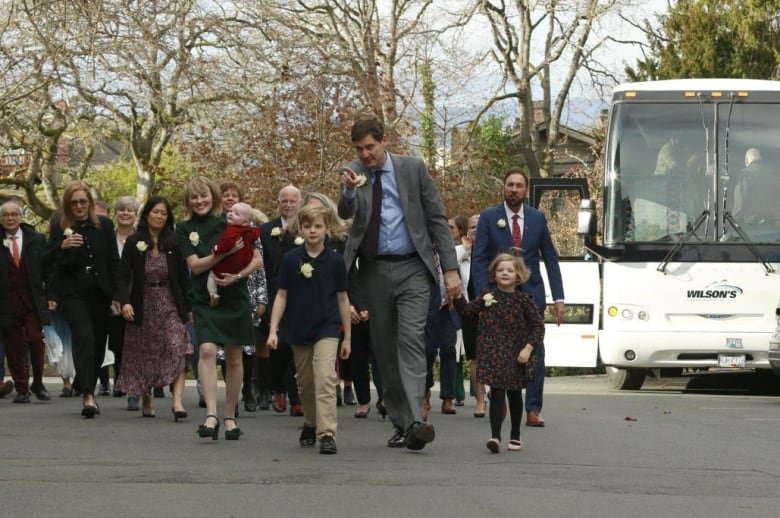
x,y
153,280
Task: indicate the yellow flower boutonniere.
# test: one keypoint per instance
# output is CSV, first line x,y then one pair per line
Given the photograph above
x,y
361,180
276,231
501,223
194,238
142,246
306,270
298,241
67,232
489,299
7,243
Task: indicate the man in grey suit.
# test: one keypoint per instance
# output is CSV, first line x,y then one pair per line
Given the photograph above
x,y
398,219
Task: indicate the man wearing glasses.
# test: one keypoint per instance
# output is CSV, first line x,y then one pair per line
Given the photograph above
x,y
23,302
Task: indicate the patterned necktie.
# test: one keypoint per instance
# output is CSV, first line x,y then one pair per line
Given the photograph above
x,y
371,240
517,237
15,251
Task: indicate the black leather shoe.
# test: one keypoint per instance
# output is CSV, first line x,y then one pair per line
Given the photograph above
x,y
339,398
418,435
250,403
40,392
398,440
264,400
118,393
308,436
22,398
328,445
159,392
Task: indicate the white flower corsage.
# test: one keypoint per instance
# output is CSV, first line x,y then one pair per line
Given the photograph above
x,y
361,180
501,223
276,231
306,270
67,232
298,241
194,238
489,299
7,243
141,246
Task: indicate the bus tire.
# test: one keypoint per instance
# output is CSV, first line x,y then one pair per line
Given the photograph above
x,y
626,379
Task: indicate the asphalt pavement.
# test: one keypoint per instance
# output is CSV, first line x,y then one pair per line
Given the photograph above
x,y
662,451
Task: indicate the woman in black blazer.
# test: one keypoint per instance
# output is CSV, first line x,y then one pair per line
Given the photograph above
x,y
153,279
84,247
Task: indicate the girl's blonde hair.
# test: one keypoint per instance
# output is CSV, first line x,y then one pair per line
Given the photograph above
x,y
202,184
523,273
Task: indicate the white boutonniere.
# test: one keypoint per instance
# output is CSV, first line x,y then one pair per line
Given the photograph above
x,y
67,232
489,299
141,246
298,241
501,223
276,231
194,238
306,270
361,180
7,243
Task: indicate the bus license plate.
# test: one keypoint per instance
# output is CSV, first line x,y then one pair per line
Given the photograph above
x,y
731,361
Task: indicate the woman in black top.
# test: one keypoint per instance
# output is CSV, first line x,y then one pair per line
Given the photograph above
x,y
85,248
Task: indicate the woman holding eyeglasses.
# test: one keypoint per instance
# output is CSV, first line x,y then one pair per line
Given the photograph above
x,y
85,249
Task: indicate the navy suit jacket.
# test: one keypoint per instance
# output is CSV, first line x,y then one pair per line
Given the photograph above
x,y
493,239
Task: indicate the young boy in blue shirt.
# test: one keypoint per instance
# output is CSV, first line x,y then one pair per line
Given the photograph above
x,y
312,297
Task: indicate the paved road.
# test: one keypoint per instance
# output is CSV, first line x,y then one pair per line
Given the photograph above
x,y
679,454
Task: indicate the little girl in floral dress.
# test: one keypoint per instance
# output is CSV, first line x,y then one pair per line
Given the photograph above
x,y
509,329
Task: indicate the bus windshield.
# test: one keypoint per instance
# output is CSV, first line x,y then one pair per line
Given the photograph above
x,y
669,165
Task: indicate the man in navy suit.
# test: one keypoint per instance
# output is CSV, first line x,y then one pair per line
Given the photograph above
x,y
516,228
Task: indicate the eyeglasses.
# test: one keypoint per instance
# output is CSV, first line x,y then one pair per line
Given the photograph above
x,y
10,215
79,202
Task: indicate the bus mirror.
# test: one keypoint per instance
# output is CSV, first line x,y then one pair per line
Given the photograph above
x,y
586,219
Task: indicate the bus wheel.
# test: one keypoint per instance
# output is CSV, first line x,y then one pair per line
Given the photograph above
x,y
626,379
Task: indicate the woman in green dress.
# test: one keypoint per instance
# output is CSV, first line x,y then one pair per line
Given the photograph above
x,y
229,324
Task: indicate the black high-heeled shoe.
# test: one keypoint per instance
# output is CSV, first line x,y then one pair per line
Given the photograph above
x,y
209,431
178,414
235,433
380,407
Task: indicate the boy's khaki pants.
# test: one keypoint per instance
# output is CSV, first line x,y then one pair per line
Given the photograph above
x,y
316,372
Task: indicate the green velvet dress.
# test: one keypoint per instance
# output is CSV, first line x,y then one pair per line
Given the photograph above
x,y
231,322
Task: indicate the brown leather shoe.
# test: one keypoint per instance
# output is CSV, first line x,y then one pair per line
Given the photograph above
x,y
6,388
426,408
296,410
534,419
448,407
280,402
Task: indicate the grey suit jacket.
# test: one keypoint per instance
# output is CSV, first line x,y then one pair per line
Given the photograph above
x,y
421,206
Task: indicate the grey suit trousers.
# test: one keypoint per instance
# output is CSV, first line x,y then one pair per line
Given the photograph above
x,y
397,295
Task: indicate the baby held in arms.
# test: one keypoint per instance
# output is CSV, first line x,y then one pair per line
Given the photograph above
x,y
239,219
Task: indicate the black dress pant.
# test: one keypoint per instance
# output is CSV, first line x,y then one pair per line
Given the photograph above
x,y
87,314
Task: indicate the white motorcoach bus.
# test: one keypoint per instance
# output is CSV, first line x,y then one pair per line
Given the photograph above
x,y
687,265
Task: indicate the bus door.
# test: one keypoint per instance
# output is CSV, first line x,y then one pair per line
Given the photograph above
x,y
575,342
